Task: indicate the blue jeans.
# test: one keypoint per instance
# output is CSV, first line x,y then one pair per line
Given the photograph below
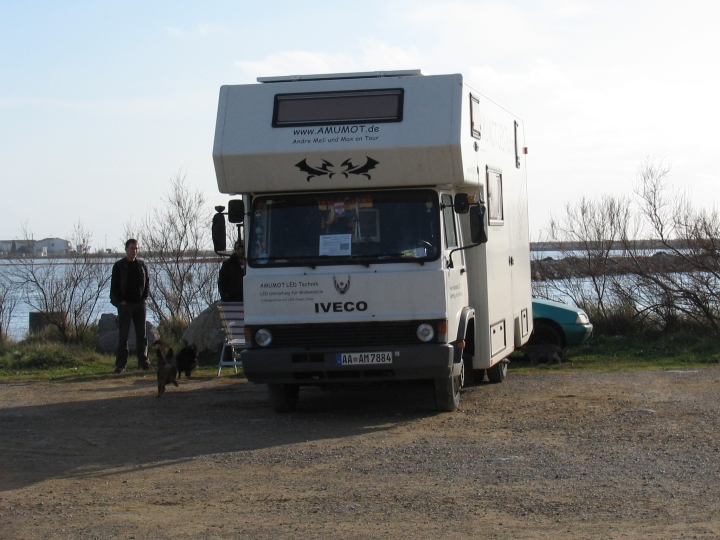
x,y
137,314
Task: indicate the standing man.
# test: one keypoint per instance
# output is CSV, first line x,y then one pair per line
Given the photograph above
x,y
129,289
230,281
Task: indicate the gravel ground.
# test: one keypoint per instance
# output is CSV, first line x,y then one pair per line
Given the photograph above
x,y
549,455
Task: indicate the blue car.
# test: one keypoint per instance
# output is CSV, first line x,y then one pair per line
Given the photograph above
x,y
559,324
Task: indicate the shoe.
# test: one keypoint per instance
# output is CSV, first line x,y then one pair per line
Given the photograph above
x,y
119,370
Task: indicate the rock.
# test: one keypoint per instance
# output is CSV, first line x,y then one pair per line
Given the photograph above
x,y
206,331
109,331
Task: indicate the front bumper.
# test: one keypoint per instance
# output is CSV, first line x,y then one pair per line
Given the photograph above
x,y
577,334
320,366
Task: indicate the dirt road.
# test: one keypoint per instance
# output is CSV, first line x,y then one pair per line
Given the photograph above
x,y
583,455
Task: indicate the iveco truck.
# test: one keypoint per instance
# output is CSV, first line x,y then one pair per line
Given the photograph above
x,y
386,229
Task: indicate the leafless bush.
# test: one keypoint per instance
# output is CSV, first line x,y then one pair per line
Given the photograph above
x,y
65,290
586,237
175,239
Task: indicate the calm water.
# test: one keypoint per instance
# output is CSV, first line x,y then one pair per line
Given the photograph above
x,y
19,322
20,319
21,316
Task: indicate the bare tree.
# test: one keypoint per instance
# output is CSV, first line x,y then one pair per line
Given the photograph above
x,y
654,264
686,276
175,239
8,301
65,290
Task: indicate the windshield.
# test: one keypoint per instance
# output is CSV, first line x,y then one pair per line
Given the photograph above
x,y
345,228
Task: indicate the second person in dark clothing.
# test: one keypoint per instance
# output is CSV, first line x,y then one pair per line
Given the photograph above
x,y
230,281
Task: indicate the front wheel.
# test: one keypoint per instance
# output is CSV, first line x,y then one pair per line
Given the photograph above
x,y
498,372
447,392
284,397
472,376
544,334
469,379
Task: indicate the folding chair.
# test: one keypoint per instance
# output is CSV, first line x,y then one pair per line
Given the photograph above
x,y
232,315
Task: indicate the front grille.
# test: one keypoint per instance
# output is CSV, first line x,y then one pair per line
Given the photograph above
x,y
372,334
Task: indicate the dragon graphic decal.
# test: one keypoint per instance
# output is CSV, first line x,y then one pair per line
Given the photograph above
x,y
347,168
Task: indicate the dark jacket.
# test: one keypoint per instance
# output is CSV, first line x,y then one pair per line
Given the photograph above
x,y
230,281
118,282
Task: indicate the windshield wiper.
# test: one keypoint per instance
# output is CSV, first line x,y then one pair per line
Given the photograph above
x,y
262,260
365,260
400,256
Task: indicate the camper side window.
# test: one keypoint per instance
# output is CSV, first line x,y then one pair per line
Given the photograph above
x,y
495,197
449,222
475,117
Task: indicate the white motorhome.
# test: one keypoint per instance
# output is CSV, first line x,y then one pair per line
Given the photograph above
x,y
386,229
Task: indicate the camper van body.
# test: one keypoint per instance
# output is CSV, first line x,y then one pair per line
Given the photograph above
x,y
354,272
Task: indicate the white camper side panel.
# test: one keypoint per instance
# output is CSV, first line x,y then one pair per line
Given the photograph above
x,y
520,242
499,271
423,149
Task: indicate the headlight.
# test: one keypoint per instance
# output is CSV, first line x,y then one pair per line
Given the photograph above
x,y
263,337
425,332
582,319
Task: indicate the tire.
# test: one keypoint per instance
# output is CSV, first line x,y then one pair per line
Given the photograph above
x,y
498,372
470,375
284,397
545,334
447,393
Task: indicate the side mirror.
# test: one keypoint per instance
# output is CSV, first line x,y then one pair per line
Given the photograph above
x,y
461,204
478,224
236,211
218,232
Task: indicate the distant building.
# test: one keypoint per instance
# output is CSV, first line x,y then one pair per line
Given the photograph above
x,y
47,247
51,246
21,247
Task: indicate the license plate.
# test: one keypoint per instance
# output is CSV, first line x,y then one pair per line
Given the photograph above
x,y
363,358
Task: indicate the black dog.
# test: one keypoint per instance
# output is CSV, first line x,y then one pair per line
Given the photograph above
x,y
166,370
187,360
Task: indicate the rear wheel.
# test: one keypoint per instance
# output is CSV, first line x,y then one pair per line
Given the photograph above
x,y
284,397
447,392
498,372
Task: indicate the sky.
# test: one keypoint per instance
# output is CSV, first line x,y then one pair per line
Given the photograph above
x,y
103,103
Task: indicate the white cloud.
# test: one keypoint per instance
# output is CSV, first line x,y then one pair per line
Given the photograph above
x,y
375,56
487,31
569,9
296,63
